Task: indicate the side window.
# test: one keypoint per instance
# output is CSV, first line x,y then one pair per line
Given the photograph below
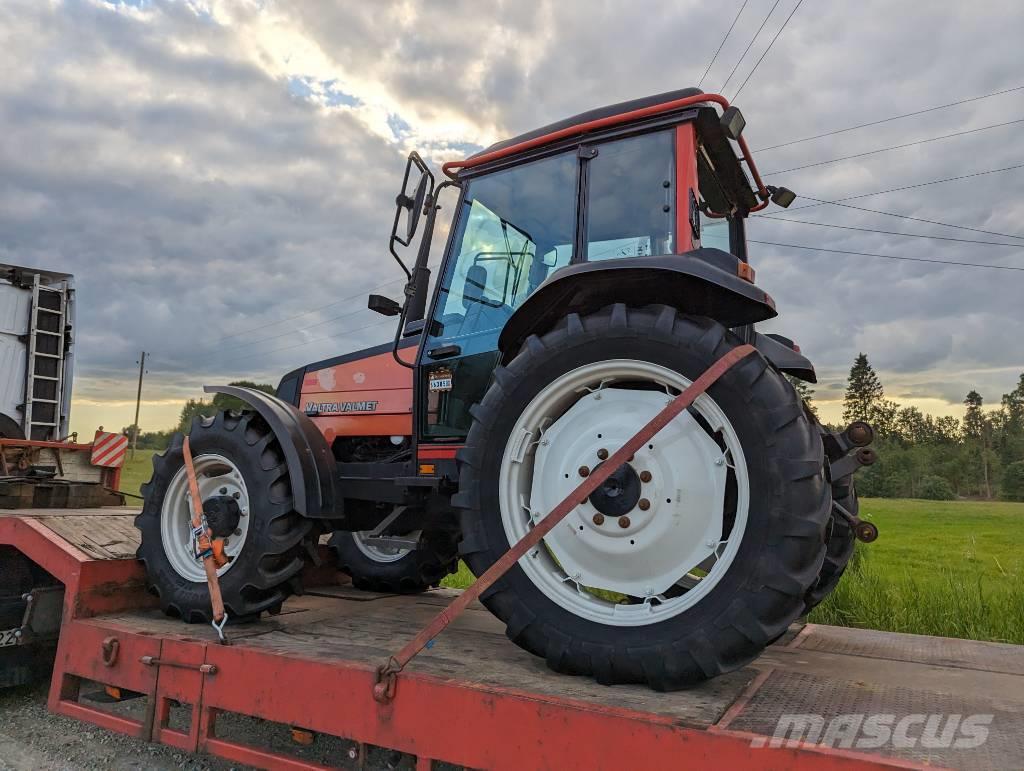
x,y
714,232
630,198
516,228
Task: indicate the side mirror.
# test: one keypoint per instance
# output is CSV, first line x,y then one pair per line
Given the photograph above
x,y
385,306
409,202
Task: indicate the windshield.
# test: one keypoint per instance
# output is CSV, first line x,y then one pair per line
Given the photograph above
x,y
515,229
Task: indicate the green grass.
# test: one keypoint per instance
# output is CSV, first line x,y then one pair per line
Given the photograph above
x,y
947,568
136,472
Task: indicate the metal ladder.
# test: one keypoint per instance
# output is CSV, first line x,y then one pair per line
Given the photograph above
x,y
44,384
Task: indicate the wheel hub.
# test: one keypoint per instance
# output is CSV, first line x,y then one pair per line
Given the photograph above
x,y
226,501
631,536
619,493
222,515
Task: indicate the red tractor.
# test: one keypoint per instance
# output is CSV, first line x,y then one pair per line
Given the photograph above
x,y
595,267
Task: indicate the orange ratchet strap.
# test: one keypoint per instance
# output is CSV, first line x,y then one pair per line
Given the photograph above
x,y
210,551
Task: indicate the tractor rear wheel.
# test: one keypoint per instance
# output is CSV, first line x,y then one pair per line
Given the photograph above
x,y
242,477
840,545
694,554
378,568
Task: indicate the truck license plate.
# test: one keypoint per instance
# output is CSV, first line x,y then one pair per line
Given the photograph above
x,y
8,637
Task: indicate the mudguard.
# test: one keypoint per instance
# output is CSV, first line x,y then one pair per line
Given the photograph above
x,y
781,352
704,282
310,462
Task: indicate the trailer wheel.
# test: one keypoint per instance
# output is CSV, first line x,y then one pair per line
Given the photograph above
x,y
697,552
393,569
239,463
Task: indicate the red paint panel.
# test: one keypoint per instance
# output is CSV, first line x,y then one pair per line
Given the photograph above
x,y
437,453
374,373
686,182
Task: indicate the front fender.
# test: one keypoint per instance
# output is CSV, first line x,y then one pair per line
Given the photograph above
x,y
310,462
782,352
704,282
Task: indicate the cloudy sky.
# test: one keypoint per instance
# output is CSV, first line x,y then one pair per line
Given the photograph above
x,y
211,169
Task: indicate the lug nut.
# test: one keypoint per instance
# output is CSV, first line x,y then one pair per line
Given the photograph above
x,y
644,504
236,496
599,519
223,491
645,476
623,522
602,454
584,471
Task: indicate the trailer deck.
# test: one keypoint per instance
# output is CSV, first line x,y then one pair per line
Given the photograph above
x,y
474,699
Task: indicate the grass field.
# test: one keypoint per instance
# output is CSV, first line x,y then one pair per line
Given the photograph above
x,y
136,472
949,568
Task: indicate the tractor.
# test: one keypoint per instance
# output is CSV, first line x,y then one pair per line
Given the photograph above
x,y
593,269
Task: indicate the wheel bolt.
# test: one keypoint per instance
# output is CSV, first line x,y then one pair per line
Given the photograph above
x,y
236,496
238,531
602,454
623,522
644,504
645,476
584,471
599,519
223,491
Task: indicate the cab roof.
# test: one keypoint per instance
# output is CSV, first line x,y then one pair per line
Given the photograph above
x,y
591,115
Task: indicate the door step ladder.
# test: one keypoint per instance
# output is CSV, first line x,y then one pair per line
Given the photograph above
x,y
47,340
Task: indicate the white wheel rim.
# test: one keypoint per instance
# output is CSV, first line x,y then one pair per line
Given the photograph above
x,y
376,552
677,542
216,475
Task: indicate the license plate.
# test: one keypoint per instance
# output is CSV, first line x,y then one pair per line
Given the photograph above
x,y
8,637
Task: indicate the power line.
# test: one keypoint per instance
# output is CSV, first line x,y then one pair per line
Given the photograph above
x,y
308,342
769,48
887,232
892,256
895,147
745,50
837,201
913,219
308,312
719,49
892,118
327,321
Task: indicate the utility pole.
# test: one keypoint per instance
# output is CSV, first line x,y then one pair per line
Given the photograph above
x,y
138,403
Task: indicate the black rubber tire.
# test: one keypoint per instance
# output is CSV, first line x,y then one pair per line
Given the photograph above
x,y
779,556
267,569
419,570
839,546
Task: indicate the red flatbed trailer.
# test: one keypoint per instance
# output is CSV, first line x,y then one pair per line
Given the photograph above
x,y
473,699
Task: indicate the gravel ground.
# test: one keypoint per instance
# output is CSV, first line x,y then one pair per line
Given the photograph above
x,y
32,738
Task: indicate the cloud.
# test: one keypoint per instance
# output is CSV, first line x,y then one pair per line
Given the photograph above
x,y
210,168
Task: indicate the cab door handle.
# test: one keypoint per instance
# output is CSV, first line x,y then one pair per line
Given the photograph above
x,y
445,351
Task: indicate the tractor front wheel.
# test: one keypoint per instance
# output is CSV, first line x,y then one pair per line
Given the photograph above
x,y
245,487
694,554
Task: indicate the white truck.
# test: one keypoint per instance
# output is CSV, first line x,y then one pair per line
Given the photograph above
x,y
41,465
37,320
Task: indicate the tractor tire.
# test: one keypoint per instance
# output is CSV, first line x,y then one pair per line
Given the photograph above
x,y
839,546
766,526
398,571
237,457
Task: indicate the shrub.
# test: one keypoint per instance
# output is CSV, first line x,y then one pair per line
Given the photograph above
x,y
1013,481
935,488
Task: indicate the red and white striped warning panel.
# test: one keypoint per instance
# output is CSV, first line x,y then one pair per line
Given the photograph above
x,y
108,449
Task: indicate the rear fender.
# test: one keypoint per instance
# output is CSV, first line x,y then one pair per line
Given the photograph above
x,y
704,282
310,462
781,352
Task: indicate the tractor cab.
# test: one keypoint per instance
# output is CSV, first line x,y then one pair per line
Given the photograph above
x,y
650,179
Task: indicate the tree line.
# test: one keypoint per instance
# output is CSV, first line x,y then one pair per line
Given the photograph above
x,y
158,440
921,456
